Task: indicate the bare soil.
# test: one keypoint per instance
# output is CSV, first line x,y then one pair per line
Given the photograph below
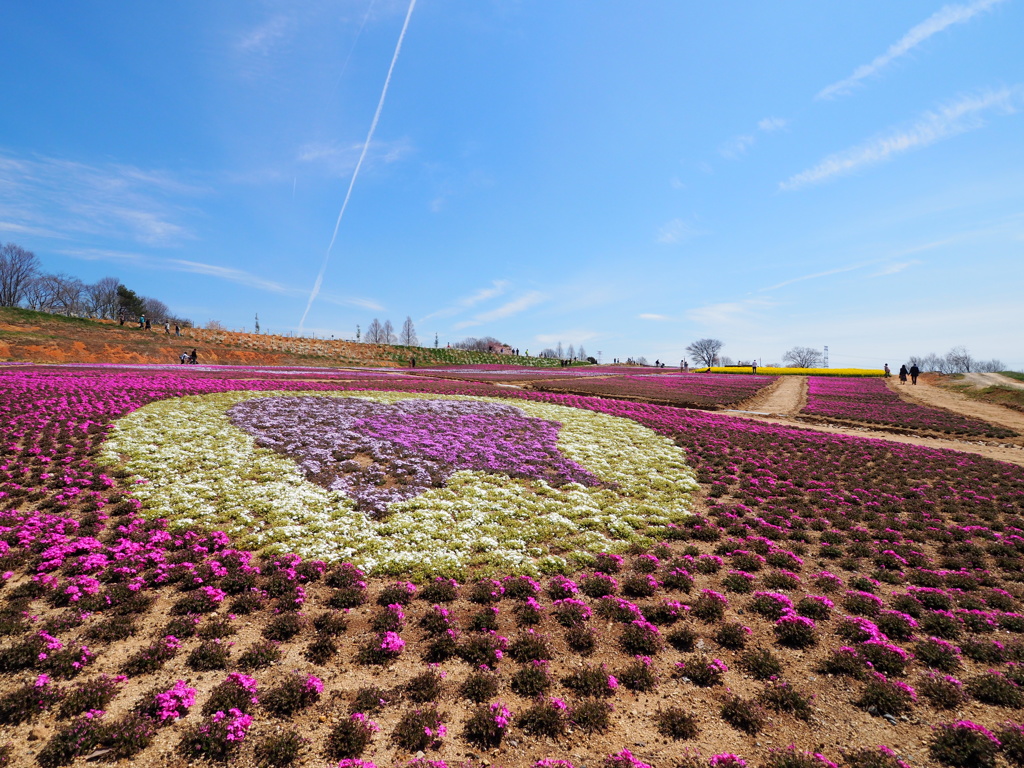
x,y
785,399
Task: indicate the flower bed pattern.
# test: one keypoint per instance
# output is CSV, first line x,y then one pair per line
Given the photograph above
x,y
870,400
920,551
200,469
697,390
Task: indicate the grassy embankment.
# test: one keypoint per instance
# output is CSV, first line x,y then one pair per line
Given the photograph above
x,y
1005,396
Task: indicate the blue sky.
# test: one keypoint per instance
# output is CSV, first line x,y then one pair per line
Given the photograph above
x,y
629,176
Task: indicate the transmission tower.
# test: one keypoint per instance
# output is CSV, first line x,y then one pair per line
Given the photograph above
x,y
824,363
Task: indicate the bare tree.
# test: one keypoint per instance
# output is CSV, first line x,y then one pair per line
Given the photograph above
x,y
102,297
959,360
37,294
374,332
571,353
802,357
154,309
408,336
559,351
18,268
388,333
705,350
483,344
548,353
60,294
989,366
581,354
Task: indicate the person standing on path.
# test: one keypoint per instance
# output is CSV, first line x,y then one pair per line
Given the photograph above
x,y
887,371
903,374
167,327
193,358
177,330
914,373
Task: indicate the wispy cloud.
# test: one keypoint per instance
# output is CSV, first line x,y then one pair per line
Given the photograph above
x,y
945,17
492,291
736,146
961,116
728,313
571,336
892,269
340,159
816,275
263,38
65,199
508,309
229,274
652,316
771,124
676,231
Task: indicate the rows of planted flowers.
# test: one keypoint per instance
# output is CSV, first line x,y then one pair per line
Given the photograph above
x,y
884,579
696,390
872,401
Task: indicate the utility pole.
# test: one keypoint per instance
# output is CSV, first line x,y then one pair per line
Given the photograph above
x,y
825,358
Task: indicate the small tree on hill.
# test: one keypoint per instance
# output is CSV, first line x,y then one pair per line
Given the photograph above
x,y
802,357
18,268
388,333
408,335
374,332
705,351
129,301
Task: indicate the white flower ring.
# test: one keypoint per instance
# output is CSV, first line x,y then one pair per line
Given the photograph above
x,y
198,470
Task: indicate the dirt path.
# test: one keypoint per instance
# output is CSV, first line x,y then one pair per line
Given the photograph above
x,y
786,397
927,393
784,400
982,380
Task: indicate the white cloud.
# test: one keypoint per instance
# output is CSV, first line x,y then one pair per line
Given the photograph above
x,y
67,199
736,147
938,21
892,269
652,316
229,274
513,307
262,39
770,124
340,159
816,275
675,231
495,289
572,336
955,118
727,313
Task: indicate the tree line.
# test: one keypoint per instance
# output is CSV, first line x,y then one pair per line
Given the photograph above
x,y
23,283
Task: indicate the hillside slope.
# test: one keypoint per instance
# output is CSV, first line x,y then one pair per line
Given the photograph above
x,y
38,337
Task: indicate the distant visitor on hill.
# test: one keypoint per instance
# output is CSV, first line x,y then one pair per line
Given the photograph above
x,y
887,371
903,374
193,358
412,361
914,373
184,358
177,330
167,327
753,366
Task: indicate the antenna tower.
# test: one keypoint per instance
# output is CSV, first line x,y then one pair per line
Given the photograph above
x,y
825,358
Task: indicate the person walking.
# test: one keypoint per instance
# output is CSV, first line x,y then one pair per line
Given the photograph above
x,y
184,358
167,327
177,330
903,374
914,373
887,371
193,358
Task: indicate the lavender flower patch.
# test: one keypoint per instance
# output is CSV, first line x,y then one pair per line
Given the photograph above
x,y
378,454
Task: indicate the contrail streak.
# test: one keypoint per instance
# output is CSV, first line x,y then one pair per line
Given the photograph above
x,y
355,173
